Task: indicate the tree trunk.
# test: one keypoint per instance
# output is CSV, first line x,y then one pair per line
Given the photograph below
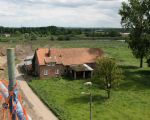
x,y
141,62
108,88
108,93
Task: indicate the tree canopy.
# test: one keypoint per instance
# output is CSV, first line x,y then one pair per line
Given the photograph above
x,y
136,17
107,73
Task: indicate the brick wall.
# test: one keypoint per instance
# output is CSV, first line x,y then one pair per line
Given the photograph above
x,y
51,71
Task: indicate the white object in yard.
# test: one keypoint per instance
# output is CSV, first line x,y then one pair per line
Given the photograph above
x,y
88,67
88,83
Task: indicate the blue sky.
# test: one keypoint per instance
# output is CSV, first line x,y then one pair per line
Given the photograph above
x,y
65,13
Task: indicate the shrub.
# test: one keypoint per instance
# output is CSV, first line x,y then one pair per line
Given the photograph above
x,y
107,73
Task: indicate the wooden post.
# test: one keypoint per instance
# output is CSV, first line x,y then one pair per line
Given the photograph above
x,y
90,106
91,74
83,74
12,79
75,75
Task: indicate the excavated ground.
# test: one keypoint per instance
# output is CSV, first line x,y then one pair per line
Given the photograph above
x,y
21,52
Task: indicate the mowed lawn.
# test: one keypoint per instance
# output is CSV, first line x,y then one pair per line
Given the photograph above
x,y
130,101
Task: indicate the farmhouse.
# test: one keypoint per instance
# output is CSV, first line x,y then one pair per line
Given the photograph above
x,y
55,62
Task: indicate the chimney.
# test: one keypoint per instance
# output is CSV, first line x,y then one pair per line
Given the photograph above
x,y
49,52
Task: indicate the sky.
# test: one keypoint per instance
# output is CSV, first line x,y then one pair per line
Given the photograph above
x,y
63,13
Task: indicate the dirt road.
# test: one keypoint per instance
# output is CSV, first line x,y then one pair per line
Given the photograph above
x,y
2,60
2,68
41,112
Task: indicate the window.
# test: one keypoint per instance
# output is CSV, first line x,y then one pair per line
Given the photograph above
x,y
51,64
45,72
57,71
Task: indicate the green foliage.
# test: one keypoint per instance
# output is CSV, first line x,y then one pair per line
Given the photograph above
x,y
113,33
135,16
27,36
60,38
148,59
64,33
52,38
107,73
67,37
148,62
33,36
106,33
4,39
63,37
17,33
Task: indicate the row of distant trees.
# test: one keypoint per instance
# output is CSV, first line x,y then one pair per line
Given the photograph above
x,y
50,30
61,32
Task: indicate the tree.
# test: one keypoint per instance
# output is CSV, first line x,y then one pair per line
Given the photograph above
x,y
107,74
33,36
52,38
27,36
113,33
135,17
67,37
148,62
17,33
60,38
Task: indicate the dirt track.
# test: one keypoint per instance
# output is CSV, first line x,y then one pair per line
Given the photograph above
x,y
2,67
36,109
2,60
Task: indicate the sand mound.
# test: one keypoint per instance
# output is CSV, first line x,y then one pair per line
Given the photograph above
x,y
2,51
23,50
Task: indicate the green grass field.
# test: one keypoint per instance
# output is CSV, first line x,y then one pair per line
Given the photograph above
x,y
130,101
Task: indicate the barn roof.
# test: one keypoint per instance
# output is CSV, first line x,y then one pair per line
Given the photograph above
x,y
68,56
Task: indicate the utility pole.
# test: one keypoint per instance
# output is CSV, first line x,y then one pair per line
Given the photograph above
x,y
89,84
90,104
12,79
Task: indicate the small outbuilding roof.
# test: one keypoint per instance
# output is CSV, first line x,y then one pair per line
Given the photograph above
x,y
28,58
79,68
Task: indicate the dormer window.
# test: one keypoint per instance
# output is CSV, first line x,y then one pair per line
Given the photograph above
x,y
51,64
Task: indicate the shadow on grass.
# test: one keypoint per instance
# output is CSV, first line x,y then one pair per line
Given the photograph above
x,y
128,67
69,78
135,79
84,99
100,99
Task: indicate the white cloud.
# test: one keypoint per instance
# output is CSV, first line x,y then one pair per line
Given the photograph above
x,y
73,13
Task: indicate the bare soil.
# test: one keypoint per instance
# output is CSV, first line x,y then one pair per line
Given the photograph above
x,y
21,52
2,66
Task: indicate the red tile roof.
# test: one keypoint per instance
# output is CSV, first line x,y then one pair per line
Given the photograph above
x,y
68,56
